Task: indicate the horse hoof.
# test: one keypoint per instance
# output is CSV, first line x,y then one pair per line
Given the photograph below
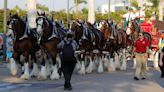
x,y
81,72
54,77
110,69
13,72
41,78
25,77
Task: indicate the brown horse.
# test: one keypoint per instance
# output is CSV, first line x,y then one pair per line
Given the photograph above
x,y
22,46
89,39
48,39
116,40
133,31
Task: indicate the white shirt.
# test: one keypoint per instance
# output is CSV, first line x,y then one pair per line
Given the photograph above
x,y
129,16
140,14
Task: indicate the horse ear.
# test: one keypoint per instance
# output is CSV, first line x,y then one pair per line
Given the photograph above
x,y
10,14
16,14
38,13
43,14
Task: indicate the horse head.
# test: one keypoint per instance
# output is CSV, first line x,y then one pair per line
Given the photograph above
x,y
77,28
42,24
106,29
17,25
133,28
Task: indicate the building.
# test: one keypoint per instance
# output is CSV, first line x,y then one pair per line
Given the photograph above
x,y
115,5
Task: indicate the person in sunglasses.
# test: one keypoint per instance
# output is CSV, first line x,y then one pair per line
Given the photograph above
x,y
141,48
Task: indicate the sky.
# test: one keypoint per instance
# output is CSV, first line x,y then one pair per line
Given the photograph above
x,y
58,4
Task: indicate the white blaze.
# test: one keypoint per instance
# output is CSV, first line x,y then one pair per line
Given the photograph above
x,y
91,12
31,13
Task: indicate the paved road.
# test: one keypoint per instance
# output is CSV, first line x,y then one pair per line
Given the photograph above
x,y
119,81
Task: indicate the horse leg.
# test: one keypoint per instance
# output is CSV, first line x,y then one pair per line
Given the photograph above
x,y
48,64
82,69
89,69
35,70
124,62
116,59
105,55
134,63
78,64
12,64
42,74
111,66
155,59
59,65
100,67
54,74
26,74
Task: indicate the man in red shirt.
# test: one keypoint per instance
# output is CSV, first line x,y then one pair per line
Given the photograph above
x,y
141,49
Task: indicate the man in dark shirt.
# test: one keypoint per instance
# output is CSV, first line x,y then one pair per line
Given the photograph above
x,y
68,60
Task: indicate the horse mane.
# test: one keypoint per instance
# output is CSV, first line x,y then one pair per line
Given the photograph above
x,y
17,17
135,26
89,25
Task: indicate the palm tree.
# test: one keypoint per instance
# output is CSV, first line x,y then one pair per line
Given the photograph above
x,y
160,9
155,5
91,12
77,2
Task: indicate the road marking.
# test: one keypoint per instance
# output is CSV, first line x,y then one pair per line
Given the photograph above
x,y
9,86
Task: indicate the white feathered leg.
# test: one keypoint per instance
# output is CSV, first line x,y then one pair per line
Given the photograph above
x,y
59,64
26,74
134,63
116,59
106,61
111,66
13,67
155,60
48,68
35,70
95,61
124,63
42,73
90,66
78,65
55,74
82,69
100,67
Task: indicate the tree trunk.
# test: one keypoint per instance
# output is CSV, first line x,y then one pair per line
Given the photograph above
x,y
91,12
77,6
161,10
31,13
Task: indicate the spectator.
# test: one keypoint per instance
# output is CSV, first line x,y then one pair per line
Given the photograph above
x,y
9,45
